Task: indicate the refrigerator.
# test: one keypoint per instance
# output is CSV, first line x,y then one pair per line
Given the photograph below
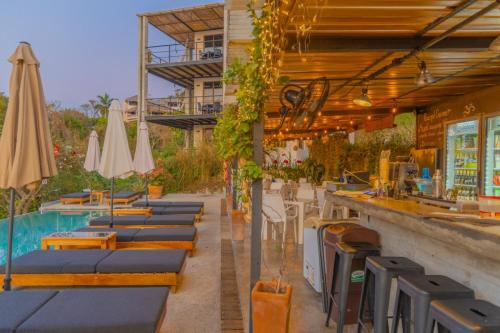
x,y
491,178
462,159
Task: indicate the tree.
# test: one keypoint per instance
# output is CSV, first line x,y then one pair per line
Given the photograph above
x,y
3,109
103,104
90,108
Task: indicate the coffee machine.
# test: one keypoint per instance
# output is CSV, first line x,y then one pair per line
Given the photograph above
x,y
403,175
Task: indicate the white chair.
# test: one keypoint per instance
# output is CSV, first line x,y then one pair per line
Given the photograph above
x,y
308,196
276,186
275,212
306,186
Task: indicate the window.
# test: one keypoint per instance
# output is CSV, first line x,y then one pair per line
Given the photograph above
x,y
213,41
212,97
208,135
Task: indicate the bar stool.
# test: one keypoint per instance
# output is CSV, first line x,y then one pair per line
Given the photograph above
x,y
422,289
345,253
379,272
464,316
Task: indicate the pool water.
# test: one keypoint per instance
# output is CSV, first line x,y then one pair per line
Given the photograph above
x,y
30,228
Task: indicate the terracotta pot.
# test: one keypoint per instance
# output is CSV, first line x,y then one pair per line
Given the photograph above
x,y
155,191
237,225
271,310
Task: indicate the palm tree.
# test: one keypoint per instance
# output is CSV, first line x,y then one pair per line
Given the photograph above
x,y
103,104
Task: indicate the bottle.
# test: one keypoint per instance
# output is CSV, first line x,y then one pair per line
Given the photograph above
x,y
437,184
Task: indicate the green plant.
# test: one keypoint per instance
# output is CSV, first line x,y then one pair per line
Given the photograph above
x,y
158,180
313,170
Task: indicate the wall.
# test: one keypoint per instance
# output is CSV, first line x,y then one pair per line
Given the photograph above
x,y
198,135
431,123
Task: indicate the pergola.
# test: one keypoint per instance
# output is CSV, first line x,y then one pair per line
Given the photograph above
x,y
378,44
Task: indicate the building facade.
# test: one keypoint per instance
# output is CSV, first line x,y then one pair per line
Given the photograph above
x,y
206,40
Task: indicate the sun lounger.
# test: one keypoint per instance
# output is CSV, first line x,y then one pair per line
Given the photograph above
x,y
146,211
147,239
98,268
75,198
198,204
124,197
177,211
155,221
96,310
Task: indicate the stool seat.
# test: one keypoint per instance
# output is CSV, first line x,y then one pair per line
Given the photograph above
x,y
359,250
434,286
394,265
465,316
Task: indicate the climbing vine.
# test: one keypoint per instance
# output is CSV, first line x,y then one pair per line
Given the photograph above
x,y
255,79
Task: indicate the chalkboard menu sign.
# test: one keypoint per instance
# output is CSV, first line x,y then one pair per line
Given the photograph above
x,y
431,122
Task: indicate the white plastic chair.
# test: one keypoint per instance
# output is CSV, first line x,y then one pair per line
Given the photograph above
x,y
275,212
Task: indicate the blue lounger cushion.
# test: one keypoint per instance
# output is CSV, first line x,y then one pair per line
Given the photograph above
x,y
119,220
137,261
125,194
99,261
58,262
77,195
168,204
17,306
183,219
107,310
175,210
165,234
122,235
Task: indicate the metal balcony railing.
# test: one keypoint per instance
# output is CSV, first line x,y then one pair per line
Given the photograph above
x,y
191,51
174,106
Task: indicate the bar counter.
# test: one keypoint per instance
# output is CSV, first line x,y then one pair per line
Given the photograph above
x,y
468,253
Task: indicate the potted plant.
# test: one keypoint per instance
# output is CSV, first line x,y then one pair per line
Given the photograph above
x,y
155,187
271,303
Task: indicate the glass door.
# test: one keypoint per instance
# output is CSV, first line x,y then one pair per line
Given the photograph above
x,y
492,157
462,159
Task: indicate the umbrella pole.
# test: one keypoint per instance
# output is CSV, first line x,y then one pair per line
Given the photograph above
x,y
10,235
147,191
112,201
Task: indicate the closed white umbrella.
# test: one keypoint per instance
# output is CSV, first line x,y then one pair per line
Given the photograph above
x,y
143,157
26,151
93,157
116,160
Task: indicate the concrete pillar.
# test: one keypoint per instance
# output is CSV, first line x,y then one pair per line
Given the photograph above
x,y
142,75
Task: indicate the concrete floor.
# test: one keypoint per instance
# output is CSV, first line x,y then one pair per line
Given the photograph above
x,y
306,313
195,308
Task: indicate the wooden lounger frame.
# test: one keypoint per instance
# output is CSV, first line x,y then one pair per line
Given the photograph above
x,y
79,201
173,280
133,211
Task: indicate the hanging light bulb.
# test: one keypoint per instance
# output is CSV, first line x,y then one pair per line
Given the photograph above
x,y
424,77
363,99
495,45
395,107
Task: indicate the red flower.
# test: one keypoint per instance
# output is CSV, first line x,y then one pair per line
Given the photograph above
x,y
275,161
285,161
299,161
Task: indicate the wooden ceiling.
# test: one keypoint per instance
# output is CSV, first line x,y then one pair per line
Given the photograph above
x,y
352,39
181,24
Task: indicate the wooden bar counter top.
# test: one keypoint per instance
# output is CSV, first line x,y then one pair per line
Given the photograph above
x,y
465,251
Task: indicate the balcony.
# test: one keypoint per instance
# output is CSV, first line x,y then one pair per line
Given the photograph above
x,y
181,63
184,112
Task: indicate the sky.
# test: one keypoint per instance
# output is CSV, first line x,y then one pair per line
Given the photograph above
x,y
85,47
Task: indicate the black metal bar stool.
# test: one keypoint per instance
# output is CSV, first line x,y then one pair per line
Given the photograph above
x,y
345,253
379,272
464,316
423,289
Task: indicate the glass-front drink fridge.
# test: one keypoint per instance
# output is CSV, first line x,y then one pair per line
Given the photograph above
x,y
462,159
492,156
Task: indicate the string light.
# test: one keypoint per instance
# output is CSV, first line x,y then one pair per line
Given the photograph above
x,y
369,117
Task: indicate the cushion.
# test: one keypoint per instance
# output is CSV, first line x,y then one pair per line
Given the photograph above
x,y
168,203
185,219
96,310
17,306
118,220
180,210
122,235
165,234
124,195
77,195
137,261
52,262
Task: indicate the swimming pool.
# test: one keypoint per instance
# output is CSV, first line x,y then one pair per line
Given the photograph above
x,y
29,229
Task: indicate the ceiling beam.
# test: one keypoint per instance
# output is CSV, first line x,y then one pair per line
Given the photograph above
x,y
392,44
352,113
